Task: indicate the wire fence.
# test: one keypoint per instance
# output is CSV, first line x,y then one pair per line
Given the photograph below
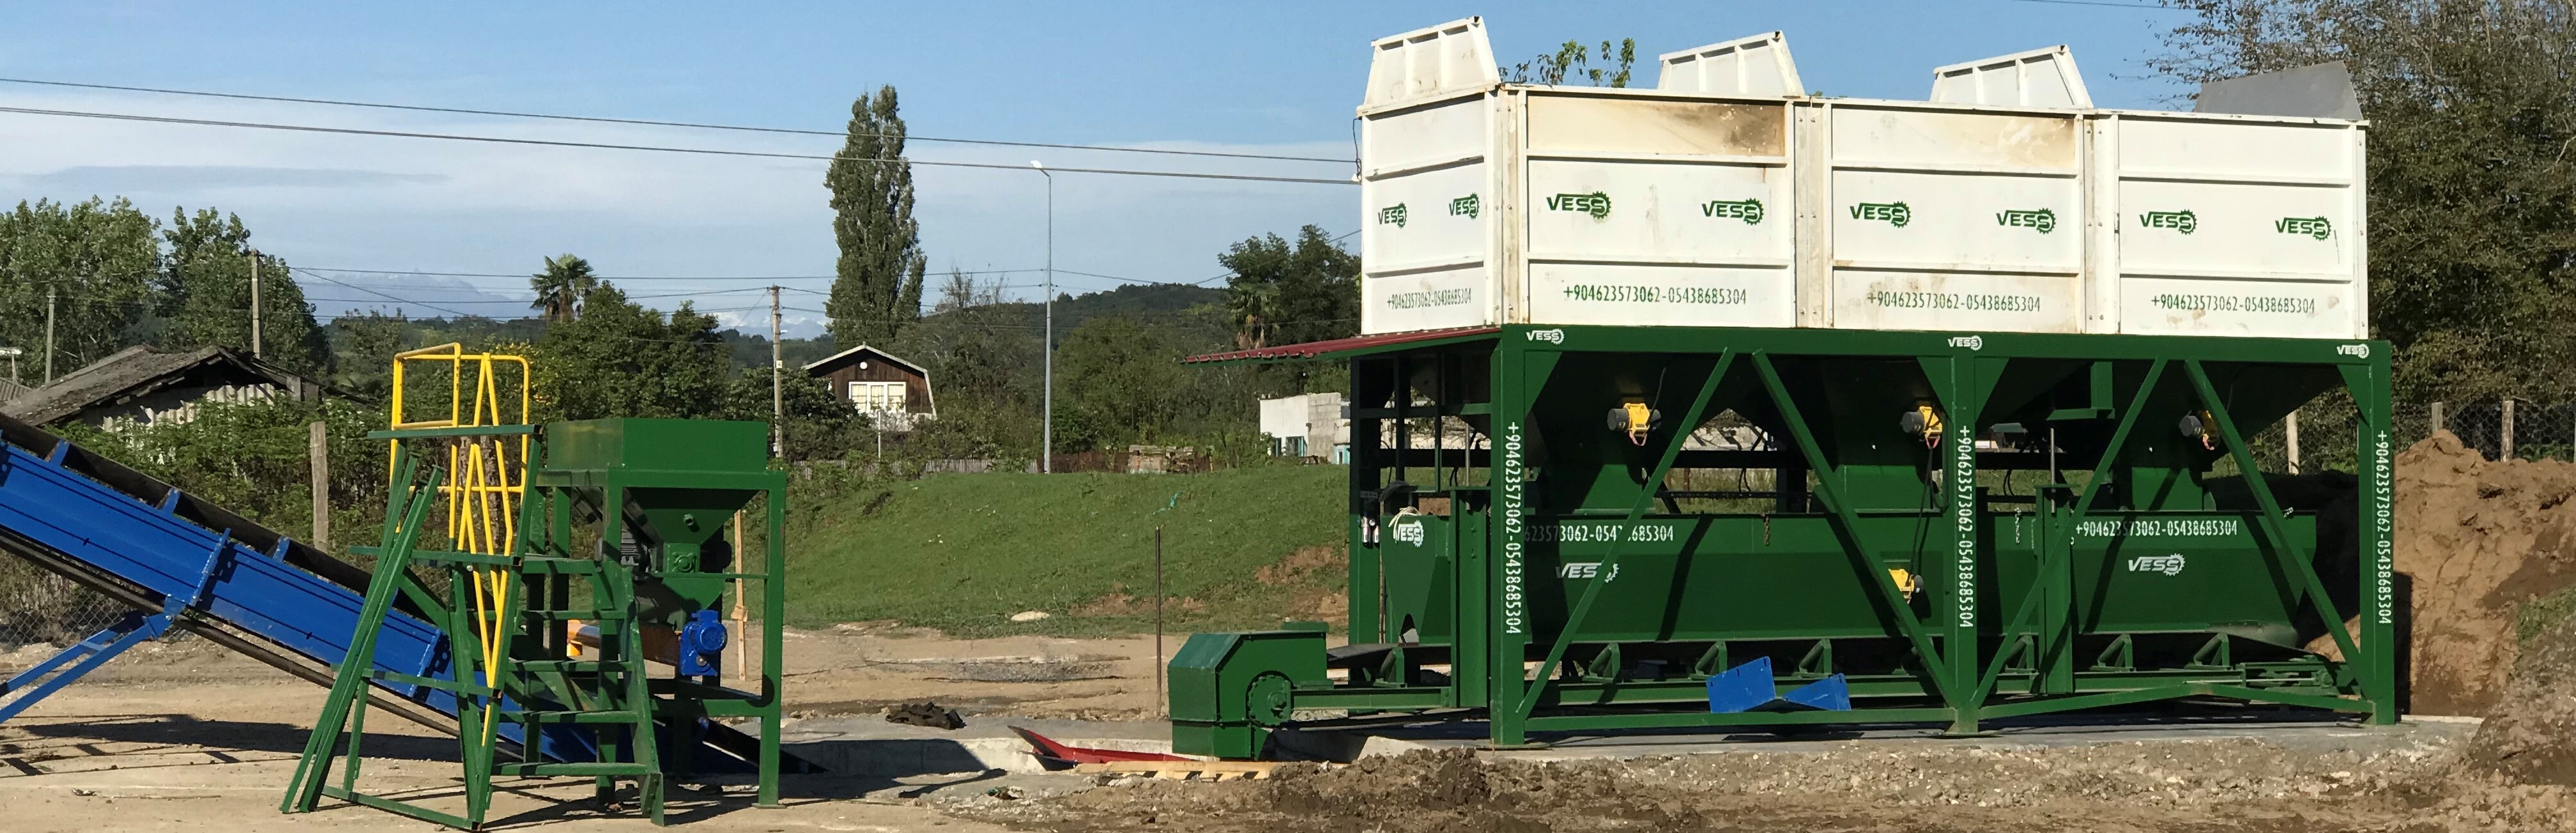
x,y
2497,430
40,608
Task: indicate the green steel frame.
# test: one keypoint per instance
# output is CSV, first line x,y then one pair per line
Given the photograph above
x,y
672,483
1907,562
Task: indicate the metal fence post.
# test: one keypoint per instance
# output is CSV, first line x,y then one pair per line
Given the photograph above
x,y
2290,428
2505,441
2437,416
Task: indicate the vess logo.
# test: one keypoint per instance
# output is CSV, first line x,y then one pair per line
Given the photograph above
x,y
1393,215
2167,564
1750,211
2316,227
1893,213
1409,532
1466,206
2042,220
2181,221
1596,204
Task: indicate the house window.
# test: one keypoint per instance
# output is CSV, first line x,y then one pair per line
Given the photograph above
x,y
877,397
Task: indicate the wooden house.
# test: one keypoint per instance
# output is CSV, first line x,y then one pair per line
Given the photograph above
x,y
884,386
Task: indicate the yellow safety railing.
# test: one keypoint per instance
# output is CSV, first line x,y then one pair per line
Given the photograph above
x,y
485,489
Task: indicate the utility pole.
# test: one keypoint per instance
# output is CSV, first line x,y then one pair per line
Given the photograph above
x,y
2290,426
49,329
321,456
254,305
1046,452
777,384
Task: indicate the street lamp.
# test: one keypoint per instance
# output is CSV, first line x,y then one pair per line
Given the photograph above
x,y
1046,452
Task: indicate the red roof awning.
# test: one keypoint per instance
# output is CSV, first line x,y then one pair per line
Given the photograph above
x,y
1322,349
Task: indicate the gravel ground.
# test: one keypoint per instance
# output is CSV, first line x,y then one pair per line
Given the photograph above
x,y
2234,785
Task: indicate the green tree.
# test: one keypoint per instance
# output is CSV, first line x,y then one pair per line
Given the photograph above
x,y
620,359
97,258
561,286
819,425
1284,294
983,359
1122,381
877,286
205,294
366,346
1574,60
2472,184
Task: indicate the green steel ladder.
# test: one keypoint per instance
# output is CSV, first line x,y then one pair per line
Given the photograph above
x,y
609,696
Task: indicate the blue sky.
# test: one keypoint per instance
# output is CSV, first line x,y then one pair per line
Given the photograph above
x,y
1217,76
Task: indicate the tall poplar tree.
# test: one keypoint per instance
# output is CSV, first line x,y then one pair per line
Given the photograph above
x,y
876,290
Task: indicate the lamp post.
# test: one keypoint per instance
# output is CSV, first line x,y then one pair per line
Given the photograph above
x,y
1046,452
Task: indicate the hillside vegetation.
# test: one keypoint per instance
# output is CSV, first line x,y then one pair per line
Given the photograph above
x,y
1243,548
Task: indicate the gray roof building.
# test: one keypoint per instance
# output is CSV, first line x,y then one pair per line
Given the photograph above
x,y
139,386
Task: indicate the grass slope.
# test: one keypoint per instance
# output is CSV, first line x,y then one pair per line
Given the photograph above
x,y
962,552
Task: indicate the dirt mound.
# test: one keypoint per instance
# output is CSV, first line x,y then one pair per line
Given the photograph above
x,y
2525,739
2479,538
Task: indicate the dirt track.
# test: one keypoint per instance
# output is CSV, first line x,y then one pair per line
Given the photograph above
x,y
188,736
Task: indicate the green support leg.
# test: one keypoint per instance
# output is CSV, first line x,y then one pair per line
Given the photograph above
x,y
2377,546
1962,381
772,663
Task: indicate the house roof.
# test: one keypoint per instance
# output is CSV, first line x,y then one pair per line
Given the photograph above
x,y
136,371
836,357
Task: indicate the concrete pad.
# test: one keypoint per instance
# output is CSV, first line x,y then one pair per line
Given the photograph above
x,y
2297,730
868,746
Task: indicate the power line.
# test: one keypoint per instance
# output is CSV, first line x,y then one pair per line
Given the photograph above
x,y
328,279
2108,4
405,134
658,123
629,277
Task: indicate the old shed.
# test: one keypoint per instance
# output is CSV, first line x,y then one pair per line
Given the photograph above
x,y
893,391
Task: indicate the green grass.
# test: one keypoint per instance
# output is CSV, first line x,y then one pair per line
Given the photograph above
x,y
2538,614
962,552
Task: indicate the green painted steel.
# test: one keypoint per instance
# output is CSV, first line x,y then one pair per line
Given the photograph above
x,y
1241,685
621,528
1965,525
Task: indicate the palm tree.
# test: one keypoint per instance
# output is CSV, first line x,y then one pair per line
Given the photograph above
x,y
1248,305
560,288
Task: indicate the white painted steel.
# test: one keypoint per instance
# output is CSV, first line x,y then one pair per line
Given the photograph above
x,y
1951,218
1447,58
2234,225
2037,78
1688,205
1429,229
1754,66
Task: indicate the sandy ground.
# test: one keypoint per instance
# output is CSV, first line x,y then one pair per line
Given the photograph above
x,y
189,736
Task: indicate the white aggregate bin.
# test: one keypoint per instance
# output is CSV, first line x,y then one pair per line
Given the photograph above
x,y
1726,197
1488,203
1924,216
2232,225
1656,211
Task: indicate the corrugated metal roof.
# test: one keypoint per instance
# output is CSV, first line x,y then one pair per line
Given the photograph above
x,y
1322,349
136,371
